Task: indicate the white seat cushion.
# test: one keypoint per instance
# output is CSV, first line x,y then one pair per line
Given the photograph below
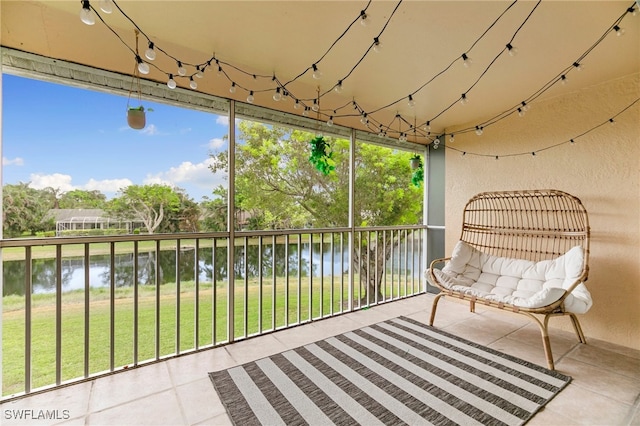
x,y
518,282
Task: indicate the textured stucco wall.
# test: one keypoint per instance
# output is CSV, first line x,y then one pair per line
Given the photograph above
x,y
602,169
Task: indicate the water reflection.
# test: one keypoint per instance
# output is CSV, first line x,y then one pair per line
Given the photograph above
x,y
165,265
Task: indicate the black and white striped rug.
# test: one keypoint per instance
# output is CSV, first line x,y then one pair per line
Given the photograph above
x,y
396,372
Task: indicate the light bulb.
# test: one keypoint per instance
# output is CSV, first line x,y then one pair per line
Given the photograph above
x,y
520,112
171,83
315,107
338,88
411,102
330,121
466,61
364,119
619,31
478,130
150,54
427,127
143,67
106,6
563,79
578,66
317,74
250,98
199,72
463,99
306,111
363,18
377,46
86,15
192,83
451,139
277,96
513,51
181,70
232,89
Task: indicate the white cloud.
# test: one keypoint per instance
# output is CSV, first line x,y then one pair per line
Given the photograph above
x,y
55,181
106,185
63,183
222,120
13,162
189,174
150,130
216,143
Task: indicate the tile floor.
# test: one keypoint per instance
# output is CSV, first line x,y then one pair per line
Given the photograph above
x,y
605,389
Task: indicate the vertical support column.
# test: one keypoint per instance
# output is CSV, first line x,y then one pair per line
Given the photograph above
x,y
352,185
231,204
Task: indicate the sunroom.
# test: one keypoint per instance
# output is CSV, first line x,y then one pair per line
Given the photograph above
x,y
493,96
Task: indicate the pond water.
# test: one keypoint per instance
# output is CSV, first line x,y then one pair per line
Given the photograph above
x,y
73,269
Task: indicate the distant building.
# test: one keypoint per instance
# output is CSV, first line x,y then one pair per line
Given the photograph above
x,y
85,221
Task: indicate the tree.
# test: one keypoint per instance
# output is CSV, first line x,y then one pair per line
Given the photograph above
x,y
26,210
81,199
146,203
276,183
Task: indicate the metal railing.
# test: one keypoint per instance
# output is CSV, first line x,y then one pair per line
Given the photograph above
x,y
77,308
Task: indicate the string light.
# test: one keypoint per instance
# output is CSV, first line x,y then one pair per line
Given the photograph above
x,y
232,89
363,18
479,130
106,6
563,79
427,127
143,67
315,107
364,119
181,70
578,66
296,105
330,121
250,98
632,10
277,96
377,46
411,102
571,141
171,83
451,139
86,15
317,74
466,61
150,54
192,83
306,111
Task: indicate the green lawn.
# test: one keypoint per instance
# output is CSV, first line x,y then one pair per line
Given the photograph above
x,y
43,357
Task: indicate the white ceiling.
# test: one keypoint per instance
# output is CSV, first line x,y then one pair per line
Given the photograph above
x,y
422,44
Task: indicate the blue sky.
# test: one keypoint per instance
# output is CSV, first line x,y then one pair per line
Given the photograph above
x,y
68,138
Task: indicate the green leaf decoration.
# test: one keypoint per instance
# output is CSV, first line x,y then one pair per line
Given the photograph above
x,y
321,154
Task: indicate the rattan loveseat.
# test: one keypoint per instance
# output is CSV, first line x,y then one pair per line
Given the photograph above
x,y
522,251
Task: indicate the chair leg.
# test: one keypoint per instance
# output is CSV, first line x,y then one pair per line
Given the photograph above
x,y
434,306
577,328
546,343
472,306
